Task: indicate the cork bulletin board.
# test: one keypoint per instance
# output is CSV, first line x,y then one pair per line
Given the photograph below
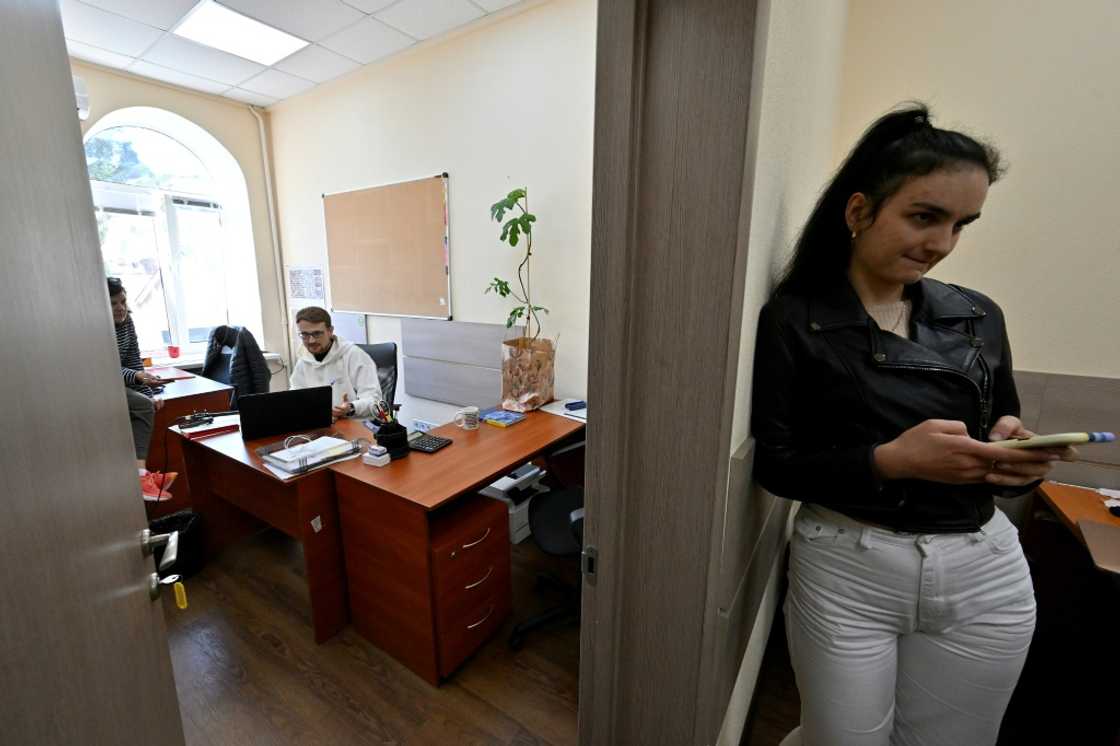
x,y
387,249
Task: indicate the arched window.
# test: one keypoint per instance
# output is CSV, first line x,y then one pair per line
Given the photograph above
x,y
173,219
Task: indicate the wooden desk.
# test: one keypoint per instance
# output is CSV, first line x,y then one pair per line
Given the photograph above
x,y
1072,504
234,494
180,398
428,562
426,566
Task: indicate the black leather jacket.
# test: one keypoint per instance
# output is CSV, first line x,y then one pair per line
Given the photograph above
x,y
829,386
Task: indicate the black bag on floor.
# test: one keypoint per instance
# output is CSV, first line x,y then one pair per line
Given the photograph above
x,y
189,526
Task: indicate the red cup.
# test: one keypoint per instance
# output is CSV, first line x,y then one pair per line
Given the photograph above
x,y
172,350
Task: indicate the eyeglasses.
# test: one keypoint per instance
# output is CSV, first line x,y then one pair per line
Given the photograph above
x,y
311,335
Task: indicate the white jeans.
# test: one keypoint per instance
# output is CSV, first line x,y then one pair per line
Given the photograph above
x,y
905,639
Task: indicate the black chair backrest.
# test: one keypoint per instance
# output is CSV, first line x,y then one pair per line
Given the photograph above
x,y
219,368
384,356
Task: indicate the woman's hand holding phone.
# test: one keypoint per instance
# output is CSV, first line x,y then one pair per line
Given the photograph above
x,y
943,451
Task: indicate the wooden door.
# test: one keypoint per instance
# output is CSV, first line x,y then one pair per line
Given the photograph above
x,y
83,651
671,206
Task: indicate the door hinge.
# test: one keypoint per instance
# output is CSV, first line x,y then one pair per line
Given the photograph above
x,y
590,563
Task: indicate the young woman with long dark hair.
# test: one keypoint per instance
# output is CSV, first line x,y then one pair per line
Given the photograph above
x,y
877,393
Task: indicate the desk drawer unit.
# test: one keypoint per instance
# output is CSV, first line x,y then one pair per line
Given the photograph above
x,y
470,577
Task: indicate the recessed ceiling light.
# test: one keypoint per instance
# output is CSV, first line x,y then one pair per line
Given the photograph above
x,y
221,28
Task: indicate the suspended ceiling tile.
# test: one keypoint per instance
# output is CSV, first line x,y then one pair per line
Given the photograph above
x,y
98,28
162,14
97,56
368,41
369,6
197,59
317,63
424,19
277,84
158,72
249,97
308,19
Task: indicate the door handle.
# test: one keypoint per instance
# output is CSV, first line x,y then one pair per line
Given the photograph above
x,y
150,542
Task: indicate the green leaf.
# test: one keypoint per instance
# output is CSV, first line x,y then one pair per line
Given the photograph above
x,y
514,315
516,194
513,228
526,223
499,286
539,308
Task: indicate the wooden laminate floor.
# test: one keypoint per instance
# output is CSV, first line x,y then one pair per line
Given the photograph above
x,y
248,671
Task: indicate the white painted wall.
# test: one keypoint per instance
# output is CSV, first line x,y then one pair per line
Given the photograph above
x,y
1039,79
508,103
793,113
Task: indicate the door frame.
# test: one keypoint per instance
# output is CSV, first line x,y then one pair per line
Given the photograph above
x,y
671,217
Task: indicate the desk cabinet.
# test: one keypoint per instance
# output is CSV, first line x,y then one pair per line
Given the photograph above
x,y
427,587
470,577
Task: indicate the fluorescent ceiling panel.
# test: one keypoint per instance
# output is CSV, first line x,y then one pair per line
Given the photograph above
x,y
424,19
221,28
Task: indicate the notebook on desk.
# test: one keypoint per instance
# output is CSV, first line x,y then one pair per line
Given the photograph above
x,y
279,412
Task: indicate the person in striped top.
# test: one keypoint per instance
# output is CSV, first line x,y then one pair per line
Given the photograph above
x,y
142,401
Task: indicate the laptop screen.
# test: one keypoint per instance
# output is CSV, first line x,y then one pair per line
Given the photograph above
x,y
282,412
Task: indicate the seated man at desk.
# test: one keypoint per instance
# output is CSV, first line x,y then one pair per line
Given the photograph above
x,y
326,360
141,397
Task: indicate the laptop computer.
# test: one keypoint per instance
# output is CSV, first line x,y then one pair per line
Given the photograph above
x,y
281,412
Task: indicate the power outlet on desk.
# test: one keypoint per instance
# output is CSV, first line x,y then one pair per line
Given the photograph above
x,y
422,425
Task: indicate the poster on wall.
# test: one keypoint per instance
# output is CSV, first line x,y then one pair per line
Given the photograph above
x,y
306,287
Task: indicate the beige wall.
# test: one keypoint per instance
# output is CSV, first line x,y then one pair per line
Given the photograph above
x,y
793,115
1040,80
234,126
505,104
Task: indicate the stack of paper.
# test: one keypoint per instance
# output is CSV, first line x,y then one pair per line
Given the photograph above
x,y
301,456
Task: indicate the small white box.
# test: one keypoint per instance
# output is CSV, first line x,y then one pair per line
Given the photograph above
x,y
524,479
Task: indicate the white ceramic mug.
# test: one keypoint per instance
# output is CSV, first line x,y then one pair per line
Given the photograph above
x,y
467,418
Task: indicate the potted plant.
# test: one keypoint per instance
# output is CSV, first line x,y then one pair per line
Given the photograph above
x,y
528,361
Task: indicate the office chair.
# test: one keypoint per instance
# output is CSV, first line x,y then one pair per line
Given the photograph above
x,y
244,367
556,520
217,367
384,356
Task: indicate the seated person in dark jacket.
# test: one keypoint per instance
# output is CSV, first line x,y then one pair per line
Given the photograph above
x,y
142,400
877,393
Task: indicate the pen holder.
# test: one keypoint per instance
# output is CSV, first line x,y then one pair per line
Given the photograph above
x,y
394,437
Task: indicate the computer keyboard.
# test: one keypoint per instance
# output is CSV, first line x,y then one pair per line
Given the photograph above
x,y
428,443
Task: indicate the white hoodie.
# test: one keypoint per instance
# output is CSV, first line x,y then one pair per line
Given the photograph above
x,y
346,369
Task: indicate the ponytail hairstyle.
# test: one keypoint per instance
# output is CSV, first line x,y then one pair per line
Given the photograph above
x,y
899,146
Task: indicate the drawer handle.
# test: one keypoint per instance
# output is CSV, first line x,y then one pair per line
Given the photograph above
x,y
479,582
483,619
476,543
